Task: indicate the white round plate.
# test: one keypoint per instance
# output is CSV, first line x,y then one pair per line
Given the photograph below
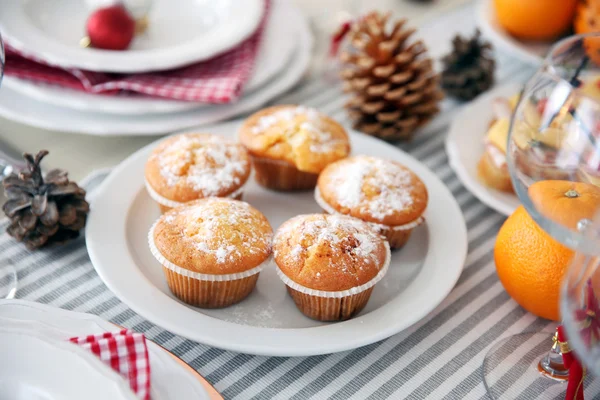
x,y
36,367
465,145
279,43
20,108
180,32
171,378
421,274
527,51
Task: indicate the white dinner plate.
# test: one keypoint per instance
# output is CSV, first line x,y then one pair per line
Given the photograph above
x,y
171,378
20,108
531,52
180,32
37,367
465,145
421,274
279,43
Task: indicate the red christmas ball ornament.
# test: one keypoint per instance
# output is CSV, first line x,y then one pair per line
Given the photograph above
x,y
111,28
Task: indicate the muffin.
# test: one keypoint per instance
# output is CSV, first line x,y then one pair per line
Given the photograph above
x,y
212,250
492,168
385,194
290,146
193,166
330,264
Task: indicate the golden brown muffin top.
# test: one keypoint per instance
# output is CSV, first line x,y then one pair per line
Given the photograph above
x,y
196,165
214,236
374,190
298,135
329,252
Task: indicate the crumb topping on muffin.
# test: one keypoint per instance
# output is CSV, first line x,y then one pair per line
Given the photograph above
x,y
193,165
214,236
329,252
373,190
299,135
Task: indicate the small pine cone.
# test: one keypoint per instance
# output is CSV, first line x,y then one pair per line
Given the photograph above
x,y
393,87
469,68
43,210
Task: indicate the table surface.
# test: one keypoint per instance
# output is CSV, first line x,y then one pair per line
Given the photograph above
x,y
439,357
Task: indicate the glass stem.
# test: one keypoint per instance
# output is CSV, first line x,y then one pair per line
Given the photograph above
x,y
552,365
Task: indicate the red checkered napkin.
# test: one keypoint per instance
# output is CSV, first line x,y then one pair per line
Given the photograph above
x,y
216,81
126,352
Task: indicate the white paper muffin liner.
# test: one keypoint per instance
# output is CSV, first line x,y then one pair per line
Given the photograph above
x,y
197,275
341,293
327,207
173,204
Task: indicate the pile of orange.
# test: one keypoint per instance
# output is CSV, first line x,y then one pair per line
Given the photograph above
x,y
547,19
530,263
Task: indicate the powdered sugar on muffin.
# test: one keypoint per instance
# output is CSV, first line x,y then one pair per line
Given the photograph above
x,y
206,163
321,250
286,114
191,166
229,236
373,189
299,135
387,186
300,125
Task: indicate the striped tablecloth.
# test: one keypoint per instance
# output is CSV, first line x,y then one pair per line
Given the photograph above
x,y
440,357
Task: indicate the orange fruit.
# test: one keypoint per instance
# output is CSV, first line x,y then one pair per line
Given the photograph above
x,y
530,264
587,20
565,202
535,19
587,16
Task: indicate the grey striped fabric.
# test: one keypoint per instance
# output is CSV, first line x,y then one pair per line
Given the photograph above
x,y
438,358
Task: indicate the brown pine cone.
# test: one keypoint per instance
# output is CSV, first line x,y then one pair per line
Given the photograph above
x,y
393,87
469,68
43,210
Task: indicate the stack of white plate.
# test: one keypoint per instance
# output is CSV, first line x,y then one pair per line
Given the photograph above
x,y
38,361
47,30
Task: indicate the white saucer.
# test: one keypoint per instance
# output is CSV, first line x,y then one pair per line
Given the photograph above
x,y
527,51
464,145
420,275
171,378
279,43
180,32
35,366
20,108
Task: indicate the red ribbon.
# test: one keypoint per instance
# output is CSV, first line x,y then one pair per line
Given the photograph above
x,y
338,37
576,371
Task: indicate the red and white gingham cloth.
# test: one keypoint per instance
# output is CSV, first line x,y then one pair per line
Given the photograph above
x,y
216,81
126,352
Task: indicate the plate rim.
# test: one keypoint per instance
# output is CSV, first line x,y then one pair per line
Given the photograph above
x,y
501,39
268,341
487,196
53,51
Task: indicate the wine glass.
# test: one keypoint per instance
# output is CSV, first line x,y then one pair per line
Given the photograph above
x,y
553,156
580,305
8,275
